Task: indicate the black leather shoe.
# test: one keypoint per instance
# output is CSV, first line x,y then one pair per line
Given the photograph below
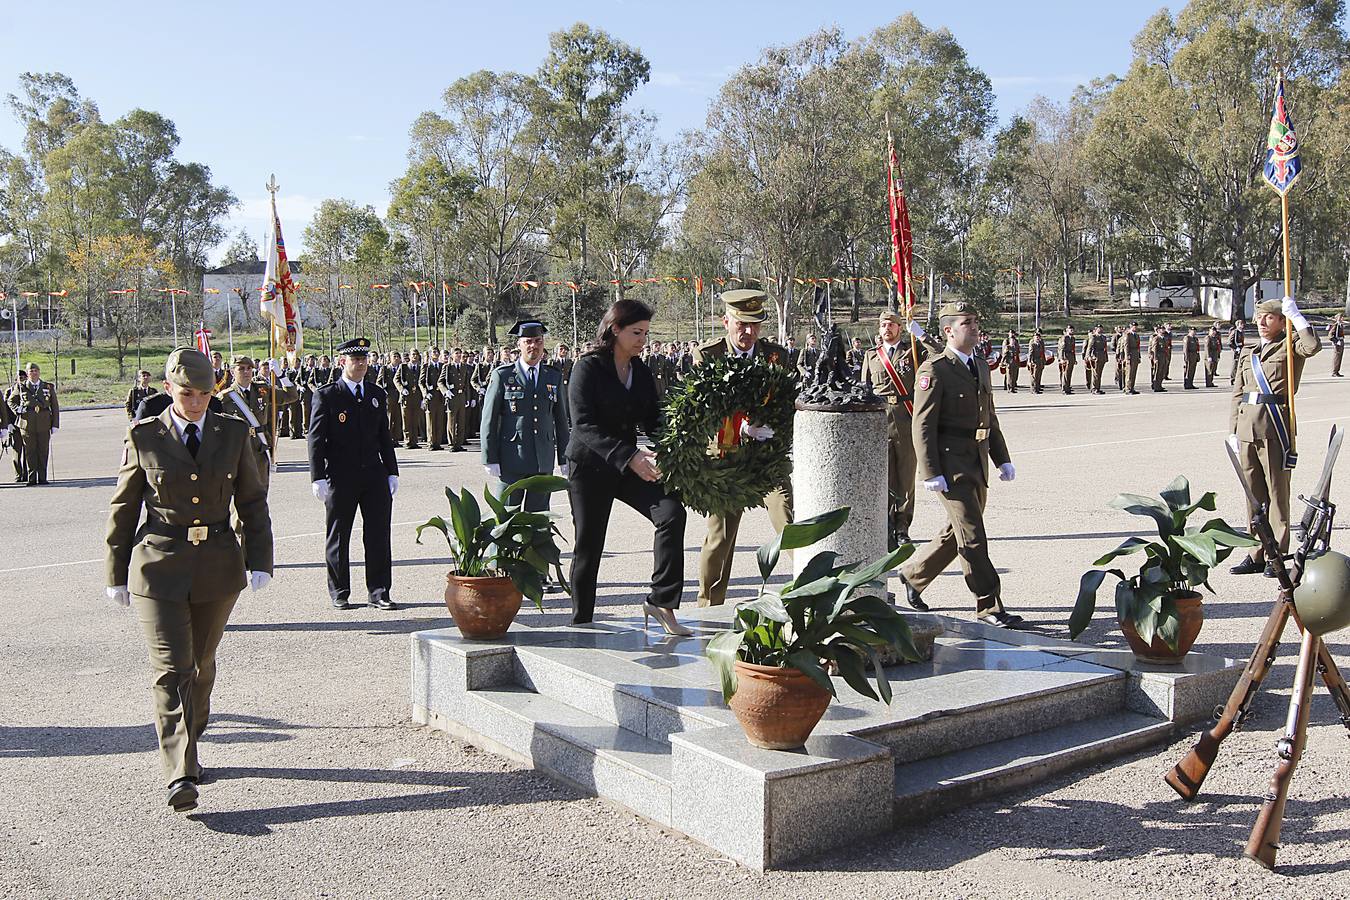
x,y
912,596
1001,619
341,603
1269,571
380,600
183,795
1248,566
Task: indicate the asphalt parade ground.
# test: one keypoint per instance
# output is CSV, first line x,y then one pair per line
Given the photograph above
x,y
323,787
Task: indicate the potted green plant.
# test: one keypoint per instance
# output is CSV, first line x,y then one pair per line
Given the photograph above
x,y
496,560
775,659
1158,609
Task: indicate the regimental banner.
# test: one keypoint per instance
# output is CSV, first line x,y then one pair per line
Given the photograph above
x,y
278,293
1282,152
203,336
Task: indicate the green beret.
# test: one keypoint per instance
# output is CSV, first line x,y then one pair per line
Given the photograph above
x,y
189,367
746,304
1270,306
957,308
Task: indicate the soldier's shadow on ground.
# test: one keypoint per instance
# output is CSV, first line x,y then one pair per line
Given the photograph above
x,y
45,741
72,483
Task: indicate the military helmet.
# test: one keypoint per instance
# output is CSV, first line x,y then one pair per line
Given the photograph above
x,y
1323,596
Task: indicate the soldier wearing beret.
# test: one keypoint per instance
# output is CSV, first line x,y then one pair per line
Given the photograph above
x,y
889,368
351,467
1190,358
1157,351
1213,350
524,428
1010,361
1262,434
744,316
139,392
1129,342
182,568
1068,355
38,414
1036,360
956,435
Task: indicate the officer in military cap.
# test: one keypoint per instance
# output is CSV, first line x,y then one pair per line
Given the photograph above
x,y
1262,434
1068,355
744,316
15,438
182,568
250,399
1190,358
1130,343
351,467
1213,350
956,435
35,407
139,391
524,427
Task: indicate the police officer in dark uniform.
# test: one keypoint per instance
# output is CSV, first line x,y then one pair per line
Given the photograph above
x,y
352,466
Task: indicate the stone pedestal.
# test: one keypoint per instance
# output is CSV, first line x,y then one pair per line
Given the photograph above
x,y
839,459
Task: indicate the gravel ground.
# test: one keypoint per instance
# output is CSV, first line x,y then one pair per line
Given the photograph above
x,y
325,788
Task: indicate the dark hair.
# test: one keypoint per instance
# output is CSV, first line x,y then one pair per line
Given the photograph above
x,y
620,315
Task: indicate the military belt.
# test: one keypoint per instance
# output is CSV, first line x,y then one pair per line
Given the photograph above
x,y
1257,398
970,434
194,533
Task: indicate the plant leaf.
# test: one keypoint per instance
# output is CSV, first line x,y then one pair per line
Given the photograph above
x,y
722,651
1086,604
1139,505
769,607
1198,546
853,670
768,556
1177,495
879,672
434,522
873,570
540,484
822,564
808,531
1131,545
806,662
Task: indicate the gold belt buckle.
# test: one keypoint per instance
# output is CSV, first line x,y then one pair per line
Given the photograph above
x,y
981,434
198,533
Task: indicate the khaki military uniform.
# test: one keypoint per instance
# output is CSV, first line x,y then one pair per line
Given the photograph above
x,y
1253,421
1155,357
407,382
719,545
1130,341
258,398
135,396
1336,334
183,582
1036,362
901,463
1213,350
429,381
38,414
1190,360
385,381
1096,345
1237,339
1068,357
956,435
1010,361
457,384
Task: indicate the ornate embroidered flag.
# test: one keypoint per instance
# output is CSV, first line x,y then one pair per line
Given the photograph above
x,y
1282,160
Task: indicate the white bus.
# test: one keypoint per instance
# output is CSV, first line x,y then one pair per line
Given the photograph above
x,y
1171,289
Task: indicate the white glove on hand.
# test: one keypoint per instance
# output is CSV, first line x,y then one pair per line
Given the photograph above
x,y
937,485
393,485
119,595
563,468
1006,472
1289,307
1232,441
4,434
494,470
756,432
258,580
915,329
321,490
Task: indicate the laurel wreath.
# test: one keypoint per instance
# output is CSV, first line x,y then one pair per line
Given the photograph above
x,y
740,478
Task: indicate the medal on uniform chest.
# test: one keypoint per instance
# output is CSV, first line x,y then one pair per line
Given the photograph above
x,y
375,402
342,417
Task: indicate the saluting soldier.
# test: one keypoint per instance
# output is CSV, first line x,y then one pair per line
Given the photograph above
x,y
1010,360
525,425
1237,339
1156,343
352,466
407,379
139,391
889,368
1336,334
744,316
1262,434
1068,356
956,435
1190,358
1036,360
433,399
35,407
182,568
1213,350
1130,341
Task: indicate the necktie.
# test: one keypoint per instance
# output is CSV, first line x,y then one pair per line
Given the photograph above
x,y
193,442
970,364
358,395
529,376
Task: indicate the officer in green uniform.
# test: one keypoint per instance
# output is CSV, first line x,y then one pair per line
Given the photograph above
x,y
1156,356
956,435
1190,358
1262,434
1130,342
662,372
407,382
1213,350
889,368
457,386
744,316
139,391
1336,334
385,381
524,428
250,399
433,398
182,568
15,436
1068,355
33,402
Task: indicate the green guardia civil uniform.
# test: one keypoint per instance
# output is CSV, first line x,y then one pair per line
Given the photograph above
x,y
719,544
524,427
183,565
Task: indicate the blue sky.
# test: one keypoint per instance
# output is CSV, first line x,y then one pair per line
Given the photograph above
x,y
322,94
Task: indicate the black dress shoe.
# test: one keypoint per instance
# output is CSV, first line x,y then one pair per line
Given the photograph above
x,y
912,596
341,603
183,795
1269,571
380,600
1001,619
1248,566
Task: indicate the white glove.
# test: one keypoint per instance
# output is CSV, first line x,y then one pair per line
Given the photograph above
x,y
258,580
915,329
1006,472
494,470
1232,441
119,595
321,490
756,432
4,434
1291,312
393,485
937,485
563,468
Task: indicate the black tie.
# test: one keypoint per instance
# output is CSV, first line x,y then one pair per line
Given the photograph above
x,y
193,442
970,364
358,395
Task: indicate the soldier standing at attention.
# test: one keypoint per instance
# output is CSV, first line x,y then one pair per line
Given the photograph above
x,y
1118,348
35,407
1336,334
1262,434
563,362
351,467
433,400
1098,349
1213,350
1165,359
525,424
793,352
1068,351
661,371
15,435
407,379
304,382
250,399
1236,339
139,391
182,568
1155,358
1010,360
854,357
1190,358
457,385
810,354
1036,360
323,372
744,316
220,371
889,368
956,435
1130,341
386,382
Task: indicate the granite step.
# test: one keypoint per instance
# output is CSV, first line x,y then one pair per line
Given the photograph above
x,y
591,754
929,787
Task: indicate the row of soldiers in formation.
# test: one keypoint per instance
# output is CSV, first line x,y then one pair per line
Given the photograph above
x,y
29,414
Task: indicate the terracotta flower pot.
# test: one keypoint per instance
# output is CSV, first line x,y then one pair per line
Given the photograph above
x,y
483,608
777,707
1191,612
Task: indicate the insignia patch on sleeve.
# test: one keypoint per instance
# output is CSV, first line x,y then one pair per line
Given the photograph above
x,y
925,382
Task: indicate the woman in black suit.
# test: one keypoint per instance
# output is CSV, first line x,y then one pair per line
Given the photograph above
x,y
611,394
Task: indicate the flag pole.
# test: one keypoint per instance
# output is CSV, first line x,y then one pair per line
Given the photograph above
x,y
903,279
1288,325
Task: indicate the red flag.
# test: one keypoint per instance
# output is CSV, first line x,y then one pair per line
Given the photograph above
x,y
902,240
203,336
